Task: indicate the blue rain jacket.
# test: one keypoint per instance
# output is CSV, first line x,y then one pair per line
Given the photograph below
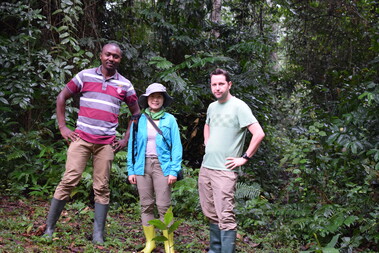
x,y
170,159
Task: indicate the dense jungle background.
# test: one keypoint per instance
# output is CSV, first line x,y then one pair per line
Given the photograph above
x,y
308,69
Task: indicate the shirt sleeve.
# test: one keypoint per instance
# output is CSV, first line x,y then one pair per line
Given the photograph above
x,y
75,85
245,115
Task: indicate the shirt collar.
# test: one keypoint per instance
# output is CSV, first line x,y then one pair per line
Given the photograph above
x,y
115,76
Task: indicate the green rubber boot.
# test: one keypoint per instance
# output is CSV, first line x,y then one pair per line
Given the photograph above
x,y
215,238
228,241
55,211
99,223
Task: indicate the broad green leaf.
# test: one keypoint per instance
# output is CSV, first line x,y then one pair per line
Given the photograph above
x,y
169,216
302,161
160,238
174,226
158,223
61,28
333,242
3,100
296,171
322,133
65,41
353,147
350,220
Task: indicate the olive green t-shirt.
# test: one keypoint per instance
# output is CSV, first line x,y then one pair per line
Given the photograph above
x,y
227,131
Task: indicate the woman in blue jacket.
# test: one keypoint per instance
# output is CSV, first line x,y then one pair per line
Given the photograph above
x,y
154,159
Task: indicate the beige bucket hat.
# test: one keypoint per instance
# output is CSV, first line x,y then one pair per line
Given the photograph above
x,y
152,88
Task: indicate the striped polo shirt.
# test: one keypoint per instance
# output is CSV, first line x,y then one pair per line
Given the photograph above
x,y
100,103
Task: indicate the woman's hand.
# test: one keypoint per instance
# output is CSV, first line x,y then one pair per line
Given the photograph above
x,y
171,179
133,179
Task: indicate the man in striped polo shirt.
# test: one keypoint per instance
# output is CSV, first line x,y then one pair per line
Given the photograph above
x,y
102,91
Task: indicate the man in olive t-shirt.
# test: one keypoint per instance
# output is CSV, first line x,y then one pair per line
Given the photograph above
x,y
227,122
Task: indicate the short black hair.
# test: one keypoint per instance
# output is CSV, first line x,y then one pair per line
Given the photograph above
x,y
112,44
219,71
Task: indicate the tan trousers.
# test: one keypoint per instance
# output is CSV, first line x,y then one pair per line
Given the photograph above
x,y
153,188
78,154
216,191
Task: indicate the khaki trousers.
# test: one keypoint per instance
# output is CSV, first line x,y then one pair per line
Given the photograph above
x,y
216,191
153,188
78,154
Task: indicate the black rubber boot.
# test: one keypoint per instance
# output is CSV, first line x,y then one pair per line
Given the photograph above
x,y
99,223
215,238
54,213
228,241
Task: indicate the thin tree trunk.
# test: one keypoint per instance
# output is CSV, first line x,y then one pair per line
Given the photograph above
x,y
216,16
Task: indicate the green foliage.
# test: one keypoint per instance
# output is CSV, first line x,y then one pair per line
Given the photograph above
x,y
23,220
31,162
308,70
167,224
244,191
329,166
248,201
123,194
329,248
185,197
31,78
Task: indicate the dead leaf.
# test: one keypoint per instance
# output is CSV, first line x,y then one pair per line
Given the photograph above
x,y
100,247
40,230
66,220
254,245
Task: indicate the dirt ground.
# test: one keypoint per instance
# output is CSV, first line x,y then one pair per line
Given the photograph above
x,y
22,224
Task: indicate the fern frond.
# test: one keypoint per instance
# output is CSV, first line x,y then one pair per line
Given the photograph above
x,y
245,191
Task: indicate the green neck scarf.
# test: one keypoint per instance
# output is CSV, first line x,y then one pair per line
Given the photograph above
x,y
155,115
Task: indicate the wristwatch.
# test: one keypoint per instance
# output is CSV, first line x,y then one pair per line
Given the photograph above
x,y
246,157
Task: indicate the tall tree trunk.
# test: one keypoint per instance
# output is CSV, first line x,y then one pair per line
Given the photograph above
x,y
216,16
